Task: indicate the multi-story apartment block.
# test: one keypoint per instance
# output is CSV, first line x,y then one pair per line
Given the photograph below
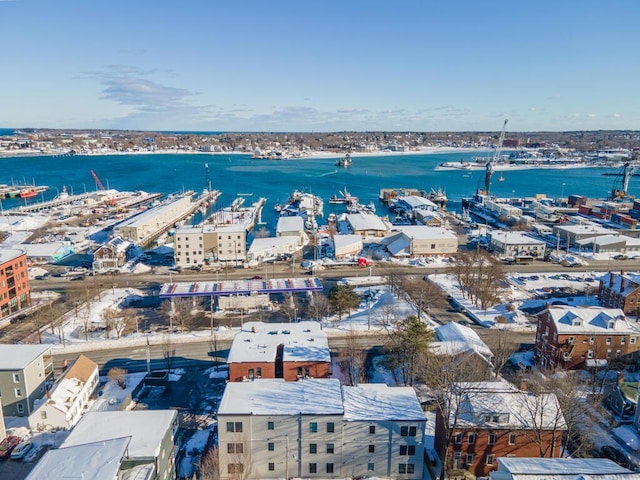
x,y
488,420
574,337
25,371
151,433
14,281
279,350
199,245
314,428
621,291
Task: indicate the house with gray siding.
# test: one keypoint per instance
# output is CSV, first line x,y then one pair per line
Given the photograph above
x,y
25,371
152,435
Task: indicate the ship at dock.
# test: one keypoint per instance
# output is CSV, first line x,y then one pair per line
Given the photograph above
x,y
305,205
21,191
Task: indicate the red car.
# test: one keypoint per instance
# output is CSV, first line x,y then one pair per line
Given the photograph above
x,y
7,445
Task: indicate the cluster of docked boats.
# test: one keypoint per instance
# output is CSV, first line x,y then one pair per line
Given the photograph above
x,y
21,191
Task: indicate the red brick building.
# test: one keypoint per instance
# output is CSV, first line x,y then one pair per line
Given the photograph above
x,y
14,281
279,350
575,337
488,420
621,291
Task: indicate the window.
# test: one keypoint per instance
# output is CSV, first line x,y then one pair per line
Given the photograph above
x,y
512,439
313,468
330,448
489,460
590,354
271,446
407,449
608,353
370,467
623,340
330,427
372,448
16,377
234,426
329,467
632,341
235,468
410,467
251,374
492,439
235,448
313,448
618,353
272,466
402,468
469,458
608,340
18,392
458,438
372,429
313,427
412,431
258,372
270,426
20,408
43,414
471,438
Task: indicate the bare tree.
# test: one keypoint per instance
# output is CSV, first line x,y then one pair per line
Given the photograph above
x,y
240,465
320,308
168,351
352,359
502,345
178,311
119,376
209,465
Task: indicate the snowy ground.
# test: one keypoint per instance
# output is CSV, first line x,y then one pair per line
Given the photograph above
x,y
525,292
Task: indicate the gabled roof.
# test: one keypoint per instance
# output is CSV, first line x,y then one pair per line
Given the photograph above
x,y
631,282
293,223
479,402
365,221
577,320
95,461
455,339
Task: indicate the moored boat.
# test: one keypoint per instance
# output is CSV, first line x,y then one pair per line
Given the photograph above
x,y
345,161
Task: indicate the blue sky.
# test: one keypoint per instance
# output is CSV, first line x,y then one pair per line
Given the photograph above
x,y
320,65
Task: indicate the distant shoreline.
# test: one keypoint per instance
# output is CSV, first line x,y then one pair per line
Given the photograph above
x,y
315,154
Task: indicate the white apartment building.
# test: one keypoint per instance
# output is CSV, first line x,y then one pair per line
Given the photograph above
x,y
199,245
316,428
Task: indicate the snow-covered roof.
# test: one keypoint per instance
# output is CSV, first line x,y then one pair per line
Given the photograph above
x,y
563,468
146,428
8,254
293,223
66,390
377,401
18,357
455,338
365,221
480,402
603,240
344,241
274,396
97,461
150,215
631,282
415,201
425,232
568,319
261,245
258,342
44,250
584,229
399,246
515,238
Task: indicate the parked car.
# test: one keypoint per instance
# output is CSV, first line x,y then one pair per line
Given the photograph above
x,y
7,445
616,455
21,450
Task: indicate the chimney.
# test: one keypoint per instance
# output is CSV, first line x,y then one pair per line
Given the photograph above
x,y
620,377
524,385
48,390
622,281
610,279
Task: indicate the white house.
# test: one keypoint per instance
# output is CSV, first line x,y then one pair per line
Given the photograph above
x,y
291,226
267,248
420,240
347,245
517,245
64,404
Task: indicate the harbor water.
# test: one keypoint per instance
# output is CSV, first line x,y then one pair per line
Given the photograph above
x,y
276,179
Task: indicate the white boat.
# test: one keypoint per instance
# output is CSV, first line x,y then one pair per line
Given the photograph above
x,y
345,161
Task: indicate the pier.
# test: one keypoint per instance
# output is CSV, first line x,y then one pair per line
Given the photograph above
x,y
37,207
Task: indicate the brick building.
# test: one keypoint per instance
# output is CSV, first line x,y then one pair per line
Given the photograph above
x,y
574,337
279,350
488,420
621,290
14,281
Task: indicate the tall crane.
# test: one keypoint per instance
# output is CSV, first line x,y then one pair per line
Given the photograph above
x,y
98,182
628,171
489,167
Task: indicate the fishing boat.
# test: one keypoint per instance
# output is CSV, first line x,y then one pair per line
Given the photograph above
x,y
345,161
344,198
